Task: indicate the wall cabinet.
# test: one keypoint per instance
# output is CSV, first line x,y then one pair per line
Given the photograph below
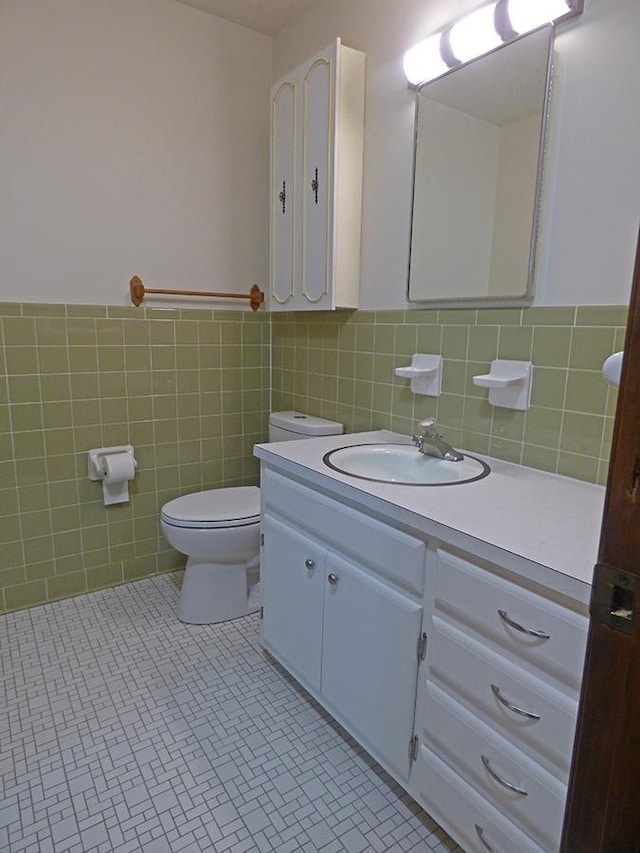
x,y
317,125
460,677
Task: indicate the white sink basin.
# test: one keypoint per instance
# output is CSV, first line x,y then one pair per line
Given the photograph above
x,y
403,464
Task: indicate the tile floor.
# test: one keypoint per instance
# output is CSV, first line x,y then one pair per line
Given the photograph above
x,y
123,730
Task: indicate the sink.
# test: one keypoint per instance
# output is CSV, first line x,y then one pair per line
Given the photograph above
x,y
403,464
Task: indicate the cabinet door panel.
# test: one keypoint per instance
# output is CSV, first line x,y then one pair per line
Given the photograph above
x,y
283,202
292,568
369,663
316,175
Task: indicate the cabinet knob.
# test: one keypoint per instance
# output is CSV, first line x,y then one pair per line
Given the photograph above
x,y
310,564
333,579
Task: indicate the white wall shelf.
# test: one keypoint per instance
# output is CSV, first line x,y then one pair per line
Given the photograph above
x,y
425,373
509,383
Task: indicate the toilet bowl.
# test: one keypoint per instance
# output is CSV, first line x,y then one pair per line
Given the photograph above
x,y
219,531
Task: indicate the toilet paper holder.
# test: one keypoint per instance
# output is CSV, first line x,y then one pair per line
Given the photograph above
x,y
94,466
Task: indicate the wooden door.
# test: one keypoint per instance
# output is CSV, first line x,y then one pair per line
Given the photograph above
x,y
603,805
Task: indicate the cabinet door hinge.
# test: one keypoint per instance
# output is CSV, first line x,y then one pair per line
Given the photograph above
x,y
414,745
262,612
261,539
422,646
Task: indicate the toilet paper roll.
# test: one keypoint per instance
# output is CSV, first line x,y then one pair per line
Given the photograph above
x,y
117,467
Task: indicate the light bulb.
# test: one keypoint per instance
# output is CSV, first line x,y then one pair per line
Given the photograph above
x,y
526,15
423,61
474,34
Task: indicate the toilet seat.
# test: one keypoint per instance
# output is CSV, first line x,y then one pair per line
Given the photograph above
x,y
215,508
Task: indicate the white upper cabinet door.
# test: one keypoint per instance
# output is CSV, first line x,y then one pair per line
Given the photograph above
x,y
317,128
317,177
283,170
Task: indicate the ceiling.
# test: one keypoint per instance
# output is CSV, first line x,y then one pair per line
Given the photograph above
x,y
264,16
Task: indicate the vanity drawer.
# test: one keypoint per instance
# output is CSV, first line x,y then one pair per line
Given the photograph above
x,y
503,693
522,790
463,813
541,632
389,552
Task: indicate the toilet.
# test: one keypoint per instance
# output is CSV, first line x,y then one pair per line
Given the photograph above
x,y
219,531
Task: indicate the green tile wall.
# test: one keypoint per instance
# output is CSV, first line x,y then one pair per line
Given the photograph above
x,y
188,388
341,366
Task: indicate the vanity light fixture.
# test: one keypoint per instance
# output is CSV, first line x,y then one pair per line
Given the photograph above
x,y
488,27
475,34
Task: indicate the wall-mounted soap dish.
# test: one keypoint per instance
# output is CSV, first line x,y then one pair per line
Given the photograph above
x,y
425,373
509,383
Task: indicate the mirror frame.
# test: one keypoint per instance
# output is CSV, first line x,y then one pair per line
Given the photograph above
x,y
534,246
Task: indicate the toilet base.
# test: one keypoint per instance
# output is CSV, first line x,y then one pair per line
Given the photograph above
x,y
215,592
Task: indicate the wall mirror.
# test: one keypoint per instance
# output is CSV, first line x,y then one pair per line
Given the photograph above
x,y
479,146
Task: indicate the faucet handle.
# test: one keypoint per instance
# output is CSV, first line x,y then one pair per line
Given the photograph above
x,y
427,423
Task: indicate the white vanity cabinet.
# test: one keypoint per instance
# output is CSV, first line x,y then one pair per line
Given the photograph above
x,y
497,705
440,628
346,626
317,126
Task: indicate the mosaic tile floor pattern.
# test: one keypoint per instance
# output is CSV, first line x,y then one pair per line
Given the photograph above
x,y
123,730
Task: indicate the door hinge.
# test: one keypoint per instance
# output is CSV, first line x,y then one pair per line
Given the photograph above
x,y
262,612
422,646
261,539
414,745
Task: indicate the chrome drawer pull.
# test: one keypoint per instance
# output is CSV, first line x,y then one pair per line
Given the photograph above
x,y
485,843
530,632
500,780
310,564
333,579
520,711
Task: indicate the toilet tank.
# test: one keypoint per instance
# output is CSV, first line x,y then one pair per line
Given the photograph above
x,y
287,426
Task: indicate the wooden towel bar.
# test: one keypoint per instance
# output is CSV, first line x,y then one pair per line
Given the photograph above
x,y
138,291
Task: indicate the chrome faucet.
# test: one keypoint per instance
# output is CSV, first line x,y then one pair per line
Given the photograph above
x,y
432,443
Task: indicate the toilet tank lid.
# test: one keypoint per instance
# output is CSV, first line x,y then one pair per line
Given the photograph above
x,y
305,424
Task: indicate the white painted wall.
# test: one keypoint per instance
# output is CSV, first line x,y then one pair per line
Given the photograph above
x,y
134,138
592,209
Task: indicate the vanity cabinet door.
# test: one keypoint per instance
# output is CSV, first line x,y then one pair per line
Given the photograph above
x,y
292,577
369,660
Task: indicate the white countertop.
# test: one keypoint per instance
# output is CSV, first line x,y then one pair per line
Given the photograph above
x,y
549,524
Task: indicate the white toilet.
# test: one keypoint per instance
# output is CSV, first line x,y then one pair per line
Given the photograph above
x,y
219,531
